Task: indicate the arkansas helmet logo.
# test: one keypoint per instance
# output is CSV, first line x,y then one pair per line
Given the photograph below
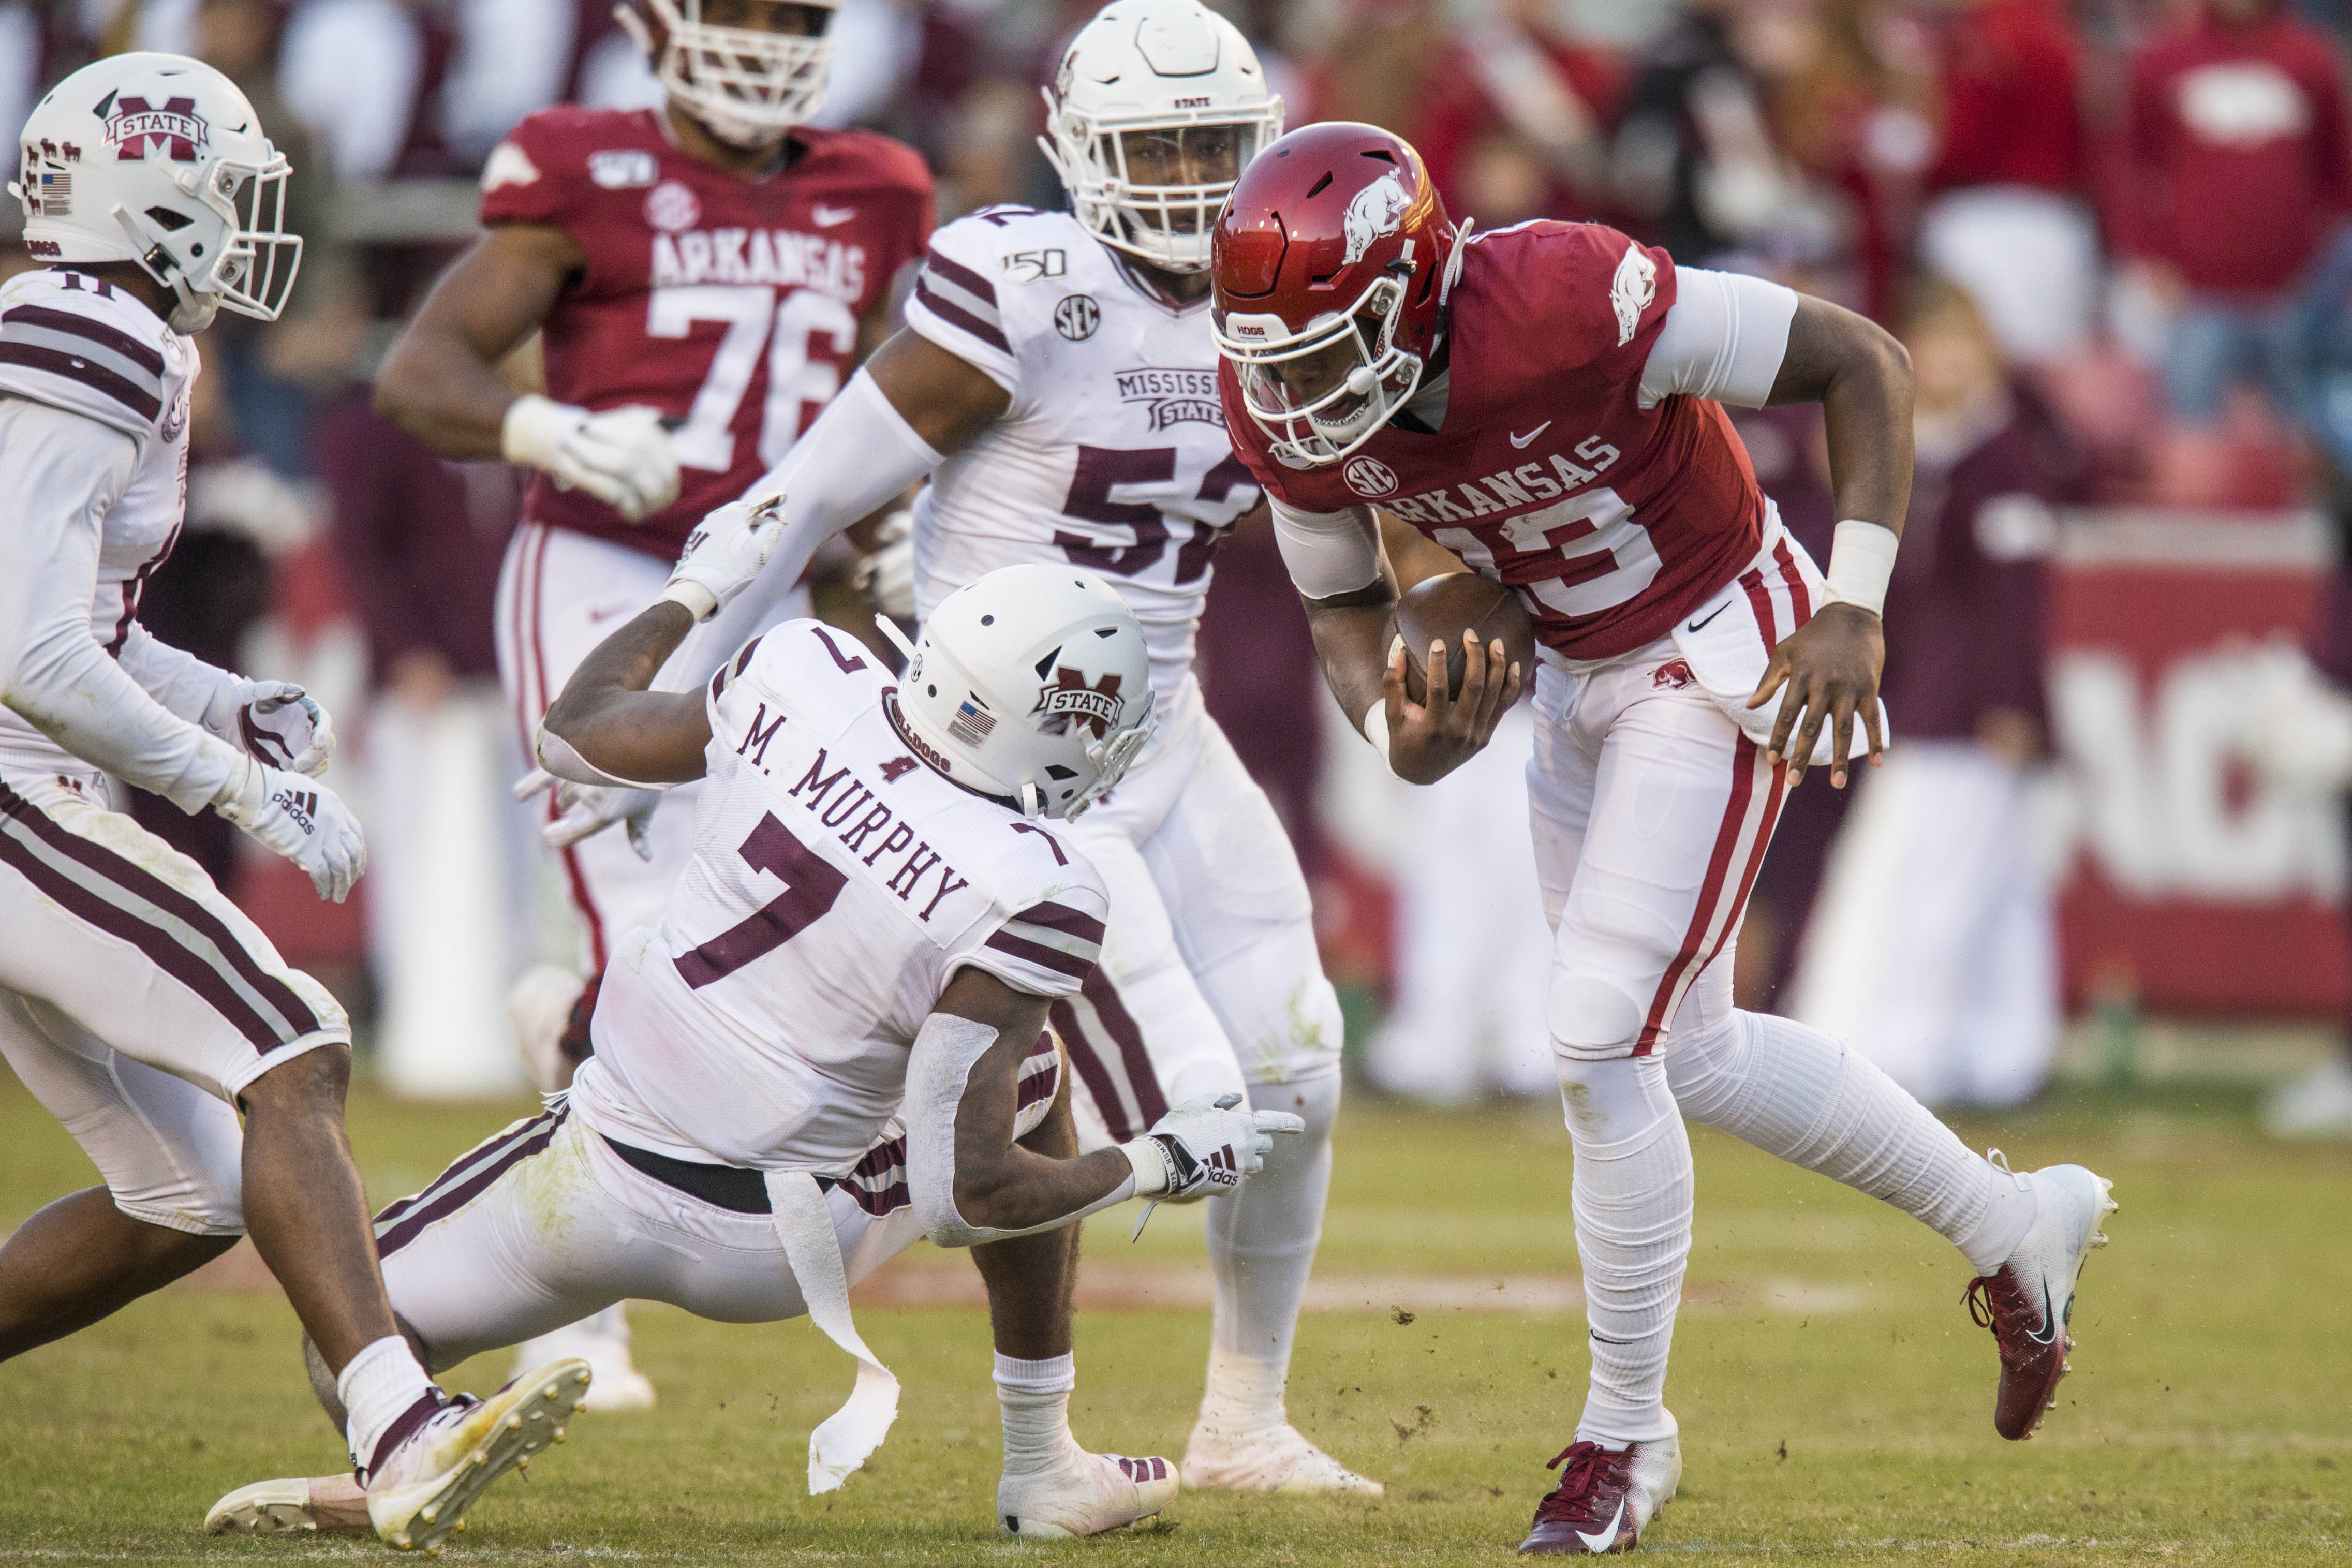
x,y
1070,699
136,130
1377,211
1369,478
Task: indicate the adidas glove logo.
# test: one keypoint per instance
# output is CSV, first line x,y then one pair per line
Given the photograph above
x,y
1224,1170
303,806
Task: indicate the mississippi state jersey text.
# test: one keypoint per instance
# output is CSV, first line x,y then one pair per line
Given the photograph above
x,y
1114,453
1547,474
729,304
837,885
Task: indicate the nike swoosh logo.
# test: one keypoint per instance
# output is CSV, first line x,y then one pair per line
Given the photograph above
x,y
824,216
1599,1545
1695,626
2048,1319
1521,442
600,614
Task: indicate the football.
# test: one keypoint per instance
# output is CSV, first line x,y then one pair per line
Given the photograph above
x,y
1446,606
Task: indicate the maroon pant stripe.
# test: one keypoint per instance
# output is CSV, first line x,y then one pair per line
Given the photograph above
x,y
1091,1072
440,1205
299,1018
191,969
1150,1103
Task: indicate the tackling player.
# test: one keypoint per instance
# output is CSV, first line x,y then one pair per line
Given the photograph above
x,y
1545,402
833,1043
702,279
1057,379
136,1002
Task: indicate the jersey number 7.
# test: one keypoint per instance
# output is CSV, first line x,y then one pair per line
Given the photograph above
x,y
811,886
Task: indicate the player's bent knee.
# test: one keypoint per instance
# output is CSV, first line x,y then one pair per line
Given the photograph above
x,y
314,1081
1591,1018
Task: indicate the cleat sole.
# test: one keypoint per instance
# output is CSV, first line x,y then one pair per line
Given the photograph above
x,y
506,1442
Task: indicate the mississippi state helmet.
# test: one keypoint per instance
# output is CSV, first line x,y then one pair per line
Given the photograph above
x,y
1157,108
1031,683
160,160
748,70
1331,264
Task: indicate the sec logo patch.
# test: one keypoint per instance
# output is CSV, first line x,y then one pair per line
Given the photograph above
x,y
672,207
1077,316
1369,478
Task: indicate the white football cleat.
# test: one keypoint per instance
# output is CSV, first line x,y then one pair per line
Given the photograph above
x,y
2029,1301
1275,1459
419,1495
538,1006
300,1505
1083,1494
603,1341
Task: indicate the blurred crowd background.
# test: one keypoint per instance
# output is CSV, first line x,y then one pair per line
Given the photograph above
x,y
2110,232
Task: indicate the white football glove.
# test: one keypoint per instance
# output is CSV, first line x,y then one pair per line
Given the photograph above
x,y
583,811
623,457
1204,1147
273,721
724,552
305,822
886,578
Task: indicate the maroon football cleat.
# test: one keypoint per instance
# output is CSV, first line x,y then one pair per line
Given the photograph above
x,y
1605,1497
2029,1301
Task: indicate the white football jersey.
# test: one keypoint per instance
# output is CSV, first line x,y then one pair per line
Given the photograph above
x,y
1113,453
837,886
76,343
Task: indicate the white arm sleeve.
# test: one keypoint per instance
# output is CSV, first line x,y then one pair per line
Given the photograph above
x,y
185,684
941,1060
1328,552
858,456
1725,338
62,473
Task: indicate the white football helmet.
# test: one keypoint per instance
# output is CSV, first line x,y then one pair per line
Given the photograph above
x,y
160,159
1031,683
1158,108
746,85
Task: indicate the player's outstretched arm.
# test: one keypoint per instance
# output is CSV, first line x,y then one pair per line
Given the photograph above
x,y
972,1182
1862,377
608,729
1363,662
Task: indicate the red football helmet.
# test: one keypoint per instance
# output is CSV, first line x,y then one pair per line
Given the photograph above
x,y
1331,260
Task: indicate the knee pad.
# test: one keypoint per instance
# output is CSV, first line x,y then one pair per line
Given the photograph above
x,y
1314,1098
1591,1018
1612,1100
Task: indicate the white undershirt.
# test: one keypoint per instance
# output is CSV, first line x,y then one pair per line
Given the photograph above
x,y
1724,338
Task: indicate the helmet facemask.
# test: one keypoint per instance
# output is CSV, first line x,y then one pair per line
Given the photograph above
x,y
1325,390
233,254
746,85
1151,184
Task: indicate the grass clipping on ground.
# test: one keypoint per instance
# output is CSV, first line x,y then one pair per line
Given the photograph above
x,y
1834,1399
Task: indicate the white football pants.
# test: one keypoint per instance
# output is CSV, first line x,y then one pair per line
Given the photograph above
x,y
136,1002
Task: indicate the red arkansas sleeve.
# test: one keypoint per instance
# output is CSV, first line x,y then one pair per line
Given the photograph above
x,y
535,174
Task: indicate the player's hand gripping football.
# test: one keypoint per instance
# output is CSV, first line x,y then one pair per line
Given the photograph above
x,y
583,811
1830,667
1429,740
274,721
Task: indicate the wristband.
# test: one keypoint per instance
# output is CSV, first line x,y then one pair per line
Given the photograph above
x,y
691,597
1862,559
1154,1175
1376,731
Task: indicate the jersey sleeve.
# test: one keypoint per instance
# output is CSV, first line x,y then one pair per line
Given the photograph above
x,y
535,174
1045,943
954,302
77,360
1584,294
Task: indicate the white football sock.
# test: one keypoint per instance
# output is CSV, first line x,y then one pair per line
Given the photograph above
x,y
377,1386
1261,1249
1794,1092
1633,1204
1035,1396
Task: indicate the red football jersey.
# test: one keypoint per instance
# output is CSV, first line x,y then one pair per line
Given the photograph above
x,y
1548,475
731,303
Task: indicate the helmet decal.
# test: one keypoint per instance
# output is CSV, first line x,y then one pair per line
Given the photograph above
x,y
1070,697
1377,212
138,131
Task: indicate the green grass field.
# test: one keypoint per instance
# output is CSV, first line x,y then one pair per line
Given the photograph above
x,y
1835,1400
